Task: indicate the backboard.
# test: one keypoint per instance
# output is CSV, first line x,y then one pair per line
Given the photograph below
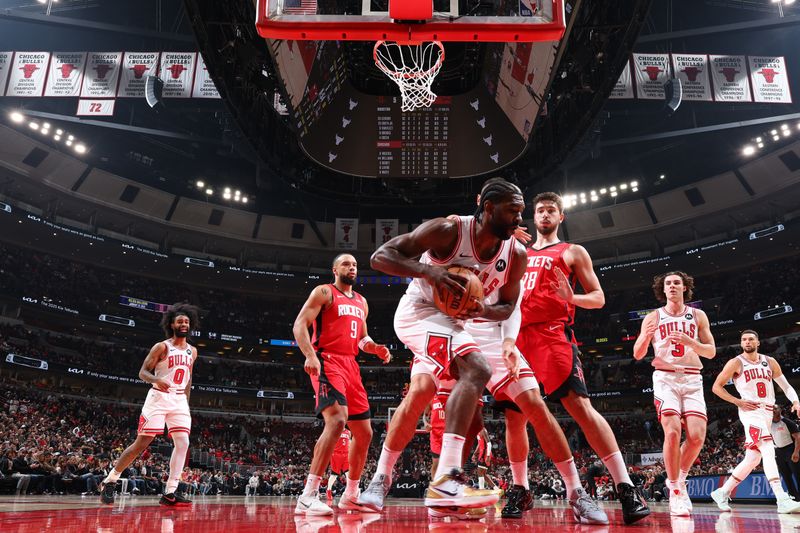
x,y
430,20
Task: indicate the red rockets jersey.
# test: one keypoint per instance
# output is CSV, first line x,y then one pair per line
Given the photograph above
x,y
539,300
343,443
338,328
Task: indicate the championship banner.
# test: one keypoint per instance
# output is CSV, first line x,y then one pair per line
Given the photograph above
x,y
5,68
770,80
177,72
692,70
346,235
652,72
28,72
102,75
624,86
203,84
729,74
385,230
136,66
66,74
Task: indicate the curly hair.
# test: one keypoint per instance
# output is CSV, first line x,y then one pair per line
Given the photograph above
x,y
658,285
176,310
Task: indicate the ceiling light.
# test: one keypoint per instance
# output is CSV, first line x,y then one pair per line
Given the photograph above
x,y
227,196
80,148
623,186
583,195
71,138
44,131
18,117
761,145
46,125
59,131
200,184
244,199
759,139
776,138
595,198
786,133
612,189
593,193
634,184
227,190
69,143
34,125
238,193
613,194
784,126
603,190
662,176
635,189
57,137
774,132
209,192
583,200
749,150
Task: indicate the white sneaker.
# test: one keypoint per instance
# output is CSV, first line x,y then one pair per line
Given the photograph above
x,y
677,505
451,490
311,505
686,499
350,503
721,498
787,505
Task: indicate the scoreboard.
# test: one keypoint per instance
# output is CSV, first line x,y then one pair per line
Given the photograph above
x,y
413,144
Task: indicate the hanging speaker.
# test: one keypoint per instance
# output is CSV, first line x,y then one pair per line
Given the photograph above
x,y
673,91
152,90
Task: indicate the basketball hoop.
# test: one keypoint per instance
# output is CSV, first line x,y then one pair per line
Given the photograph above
x,y
413,67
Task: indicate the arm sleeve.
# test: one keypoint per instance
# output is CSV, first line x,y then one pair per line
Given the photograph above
x,y
788,390
510,326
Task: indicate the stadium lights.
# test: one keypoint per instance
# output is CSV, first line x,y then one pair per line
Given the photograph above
x,y
786,133
18,117
80,148
34,125
749,150
662,176
209,192
200,184
776,138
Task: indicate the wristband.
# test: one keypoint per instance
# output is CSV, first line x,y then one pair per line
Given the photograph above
x,y
363,342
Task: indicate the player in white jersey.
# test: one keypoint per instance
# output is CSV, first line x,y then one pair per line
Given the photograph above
x,y
483,244
168,367
752,374
680,336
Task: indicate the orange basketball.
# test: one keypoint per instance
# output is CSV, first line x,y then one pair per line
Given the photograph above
x,y
451,304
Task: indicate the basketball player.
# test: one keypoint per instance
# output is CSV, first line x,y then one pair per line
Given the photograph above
x,y
546,338
753,374
483,244
483,460
338,316
168,368
339,464
680,336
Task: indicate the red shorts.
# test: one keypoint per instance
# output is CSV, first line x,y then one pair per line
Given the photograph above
x,y
339,381
339,464
551,350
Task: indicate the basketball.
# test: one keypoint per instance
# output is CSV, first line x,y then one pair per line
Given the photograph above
x,y
451,304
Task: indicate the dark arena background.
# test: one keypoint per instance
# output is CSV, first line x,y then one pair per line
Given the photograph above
x,y
163,151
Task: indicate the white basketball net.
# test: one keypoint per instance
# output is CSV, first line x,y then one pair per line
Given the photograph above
x,y
413,68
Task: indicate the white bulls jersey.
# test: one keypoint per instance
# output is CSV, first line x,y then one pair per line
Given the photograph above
x,y
754,382
492,273
176,366
675,356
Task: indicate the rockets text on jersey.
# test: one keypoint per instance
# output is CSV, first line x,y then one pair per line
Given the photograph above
x,y
176,366
670,356
343,442
754,382
493,273
338,328
540,303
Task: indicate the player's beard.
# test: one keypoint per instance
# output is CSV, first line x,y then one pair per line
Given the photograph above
x,y
547,231
749,349
181,334
347,280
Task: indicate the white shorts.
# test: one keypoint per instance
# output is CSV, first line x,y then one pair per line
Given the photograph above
x,y
490,341
757,426
678,393
433,337
164,408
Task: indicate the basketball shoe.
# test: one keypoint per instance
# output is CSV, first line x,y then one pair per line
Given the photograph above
x,y
107,491
375,493
586,510
452,490
634,508
519,501
311,505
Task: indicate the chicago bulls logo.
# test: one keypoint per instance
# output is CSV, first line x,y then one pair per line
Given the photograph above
x,y
769,74
653,72
730,74
102,70
438,349
28,70
691,73
346,229
176,71
138,71
755,434
66,69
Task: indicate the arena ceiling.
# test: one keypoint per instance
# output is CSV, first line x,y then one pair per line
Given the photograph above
x,y
583,141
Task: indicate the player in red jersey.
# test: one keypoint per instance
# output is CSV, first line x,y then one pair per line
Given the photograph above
x,y
546,338
338,316
168,367
339,463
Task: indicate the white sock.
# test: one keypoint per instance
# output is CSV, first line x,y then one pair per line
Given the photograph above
x,y
112,476
352,487
312,485
742,470
616,467
572,481
387,461
331,481
673,486
682,477
481,483
180,443
767,450
450,458
730,484
519,473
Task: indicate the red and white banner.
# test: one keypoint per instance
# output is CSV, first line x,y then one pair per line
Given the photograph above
x,y
346,234
770,80
692,70
651,72
95,108
5,68
177,72
28,72
66,74
203,84
102,75
731,82
385,230
624,86
136,66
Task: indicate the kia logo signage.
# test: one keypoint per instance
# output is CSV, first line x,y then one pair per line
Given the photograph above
x,y
75,370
